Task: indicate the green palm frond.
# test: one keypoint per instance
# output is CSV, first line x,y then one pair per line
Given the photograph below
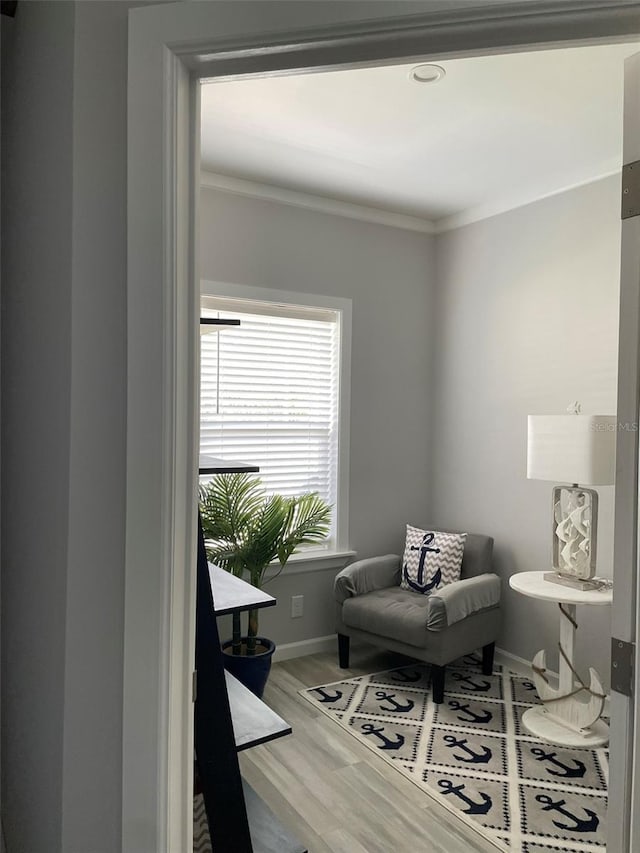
x,y
245,530
263,536
309,524
227,505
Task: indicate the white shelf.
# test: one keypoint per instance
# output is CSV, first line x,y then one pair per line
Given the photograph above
x,y
232,594
253,721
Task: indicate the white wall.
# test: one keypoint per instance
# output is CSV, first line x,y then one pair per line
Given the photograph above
x,y
388,274
527,319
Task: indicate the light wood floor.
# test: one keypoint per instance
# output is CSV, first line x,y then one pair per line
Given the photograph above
x,y
334,793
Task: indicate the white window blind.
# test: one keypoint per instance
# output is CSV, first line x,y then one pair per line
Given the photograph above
x,y
269,393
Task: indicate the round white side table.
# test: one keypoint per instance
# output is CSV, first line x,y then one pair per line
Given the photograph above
x,y
565,717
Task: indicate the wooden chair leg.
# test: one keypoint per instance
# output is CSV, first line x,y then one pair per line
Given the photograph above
x,y
437,683
487,658
343,651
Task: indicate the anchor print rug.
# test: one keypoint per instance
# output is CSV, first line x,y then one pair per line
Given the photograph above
x,y
473,755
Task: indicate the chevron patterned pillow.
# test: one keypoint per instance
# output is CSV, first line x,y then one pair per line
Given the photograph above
x,y
431,559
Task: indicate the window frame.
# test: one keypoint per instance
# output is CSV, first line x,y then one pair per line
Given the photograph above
x,y
329,557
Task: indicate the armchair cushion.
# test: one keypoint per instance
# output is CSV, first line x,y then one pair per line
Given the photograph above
x,y
366,576
432,559
407,617
393,613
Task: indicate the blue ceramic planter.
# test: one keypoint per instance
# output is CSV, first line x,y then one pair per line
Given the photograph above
x,y
252,671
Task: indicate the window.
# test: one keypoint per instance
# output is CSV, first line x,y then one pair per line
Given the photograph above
x,y
272,391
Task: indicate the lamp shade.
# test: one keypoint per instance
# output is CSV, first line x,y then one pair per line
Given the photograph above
x,y
572,449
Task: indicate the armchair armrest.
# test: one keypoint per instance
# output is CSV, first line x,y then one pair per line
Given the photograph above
x,y
455,601
366,576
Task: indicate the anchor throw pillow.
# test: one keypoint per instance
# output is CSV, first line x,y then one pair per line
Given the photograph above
x,y
431,559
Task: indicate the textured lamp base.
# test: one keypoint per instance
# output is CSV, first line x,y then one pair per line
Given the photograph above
x,y
575,514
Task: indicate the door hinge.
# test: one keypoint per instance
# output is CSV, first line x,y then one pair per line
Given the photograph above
x,y
194,686
631,190
622,657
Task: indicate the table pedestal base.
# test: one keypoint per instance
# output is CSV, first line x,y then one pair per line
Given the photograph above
x,y
540,723
571,710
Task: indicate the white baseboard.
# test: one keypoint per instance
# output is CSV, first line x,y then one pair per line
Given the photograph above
x,y
516,664
287,651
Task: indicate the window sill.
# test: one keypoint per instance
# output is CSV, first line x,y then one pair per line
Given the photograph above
x,y
318,561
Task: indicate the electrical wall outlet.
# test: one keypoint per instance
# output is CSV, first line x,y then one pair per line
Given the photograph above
x,y
297,606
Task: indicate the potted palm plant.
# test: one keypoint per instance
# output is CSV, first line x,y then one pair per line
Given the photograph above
x,y
245,530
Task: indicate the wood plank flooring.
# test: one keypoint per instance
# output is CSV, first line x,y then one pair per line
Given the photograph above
x,y
332,792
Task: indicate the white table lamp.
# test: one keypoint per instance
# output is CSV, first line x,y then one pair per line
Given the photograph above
x,y
579,450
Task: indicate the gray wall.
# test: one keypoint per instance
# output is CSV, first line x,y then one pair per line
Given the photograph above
x,y
527,320
95,574
36,389
63,437
388,274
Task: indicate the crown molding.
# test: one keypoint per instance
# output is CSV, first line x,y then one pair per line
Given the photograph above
x,y
486,211
322,204
378,216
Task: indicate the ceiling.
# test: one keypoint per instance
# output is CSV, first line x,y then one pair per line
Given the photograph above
x,y
496,132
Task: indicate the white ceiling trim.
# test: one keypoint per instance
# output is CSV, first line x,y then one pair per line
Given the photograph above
x,y
378,216
323,204
486,211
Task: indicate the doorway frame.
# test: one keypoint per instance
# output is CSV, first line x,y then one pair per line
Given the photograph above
x,y
171,47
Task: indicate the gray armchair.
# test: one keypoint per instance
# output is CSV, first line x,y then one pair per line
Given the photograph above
x,y
454,621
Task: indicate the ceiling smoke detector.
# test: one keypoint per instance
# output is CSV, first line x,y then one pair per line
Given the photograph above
x,y
427,73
